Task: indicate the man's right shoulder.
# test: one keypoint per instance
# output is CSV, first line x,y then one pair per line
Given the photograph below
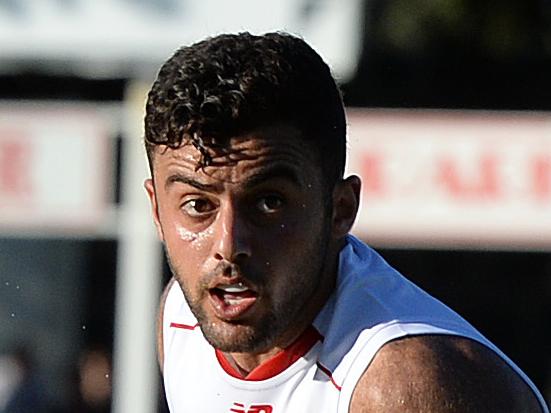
x,y
160,317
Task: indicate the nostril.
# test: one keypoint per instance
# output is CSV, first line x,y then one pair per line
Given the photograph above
x,y
218,256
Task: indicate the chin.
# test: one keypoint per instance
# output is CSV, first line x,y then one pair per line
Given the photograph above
x,y
238,338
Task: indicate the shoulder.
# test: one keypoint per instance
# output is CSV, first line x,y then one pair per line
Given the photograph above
x,y
160,316
440,373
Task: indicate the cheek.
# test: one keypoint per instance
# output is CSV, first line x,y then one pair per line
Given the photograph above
x,y
300,230
291,246
195,240
188,250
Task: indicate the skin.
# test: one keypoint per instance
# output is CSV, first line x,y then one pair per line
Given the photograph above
x,y
440,374
258,215
263,193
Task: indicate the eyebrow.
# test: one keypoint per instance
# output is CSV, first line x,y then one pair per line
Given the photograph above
x,y
280,171
185,179
271,173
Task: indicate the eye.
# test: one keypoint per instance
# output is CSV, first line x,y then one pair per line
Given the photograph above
x,y
198,207
269,204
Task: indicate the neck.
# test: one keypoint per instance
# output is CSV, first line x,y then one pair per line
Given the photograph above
x,y
276,363
244,363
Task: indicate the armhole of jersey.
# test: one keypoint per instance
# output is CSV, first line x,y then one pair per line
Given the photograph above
x,y
396,331
362,360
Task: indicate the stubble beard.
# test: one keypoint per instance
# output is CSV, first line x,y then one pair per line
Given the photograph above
x,y
238,337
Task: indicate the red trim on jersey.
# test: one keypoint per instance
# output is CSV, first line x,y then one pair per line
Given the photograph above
x,y
240,408
328,374
277,363
184,326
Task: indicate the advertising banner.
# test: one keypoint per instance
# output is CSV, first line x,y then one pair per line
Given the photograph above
x,y
453,178
55,168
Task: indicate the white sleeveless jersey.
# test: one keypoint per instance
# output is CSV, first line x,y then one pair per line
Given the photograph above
x,y
372,305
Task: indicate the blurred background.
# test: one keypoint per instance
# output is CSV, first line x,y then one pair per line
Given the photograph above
x,y
450,128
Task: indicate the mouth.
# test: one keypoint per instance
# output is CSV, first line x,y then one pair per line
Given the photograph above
x,y
232,301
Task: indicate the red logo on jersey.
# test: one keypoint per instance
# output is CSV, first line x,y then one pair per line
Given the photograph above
x,y
253,408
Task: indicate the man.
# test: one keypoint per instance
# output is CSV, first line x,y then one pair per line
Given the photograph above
x,y
273,307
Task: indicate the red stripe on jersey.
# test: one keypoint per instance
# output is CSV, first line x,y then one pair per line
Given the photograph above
x,y
328,374
184,326
277,363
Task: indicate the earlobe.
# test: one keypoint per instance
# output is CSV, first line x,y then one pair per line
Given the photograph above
x,y
150,189
346,201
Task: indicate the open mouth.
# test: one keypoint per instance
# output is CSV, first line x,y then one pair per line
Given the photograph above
x,y
231,301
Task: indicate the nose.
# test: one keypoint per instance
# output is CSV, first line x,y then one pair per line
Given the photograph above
x,y
232,236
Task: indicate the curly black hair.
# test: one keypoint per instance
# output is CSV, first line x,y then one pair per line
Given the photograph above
x,y
232,84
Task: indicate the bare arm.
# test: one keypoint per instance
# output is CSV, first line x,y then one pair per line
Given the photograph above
x,y
160,348
440,374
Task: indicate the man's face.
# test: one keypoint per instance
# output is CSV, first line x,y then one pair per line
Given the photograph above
x,y
247,237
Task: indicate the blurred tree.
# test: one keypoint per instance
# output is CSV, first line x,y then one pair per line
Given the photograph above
x,y
455,53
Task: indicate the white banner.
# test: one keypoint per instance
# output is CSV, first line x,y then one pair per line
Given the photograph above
x,y
55,168
458,179
121,38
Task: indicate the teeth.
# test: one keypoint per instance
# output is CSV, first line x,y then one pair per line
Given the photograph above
x,y
233,288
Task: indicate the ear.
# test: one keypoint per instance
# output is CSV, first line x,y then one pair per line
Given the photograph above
x,y
150,188
346,201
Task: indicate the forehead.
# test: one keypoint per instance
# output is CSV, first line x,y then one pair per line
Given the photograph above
x,y
271,147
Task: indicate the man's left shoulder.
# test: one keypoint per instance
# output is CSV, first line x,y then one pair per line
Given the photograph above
x,y
441,373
